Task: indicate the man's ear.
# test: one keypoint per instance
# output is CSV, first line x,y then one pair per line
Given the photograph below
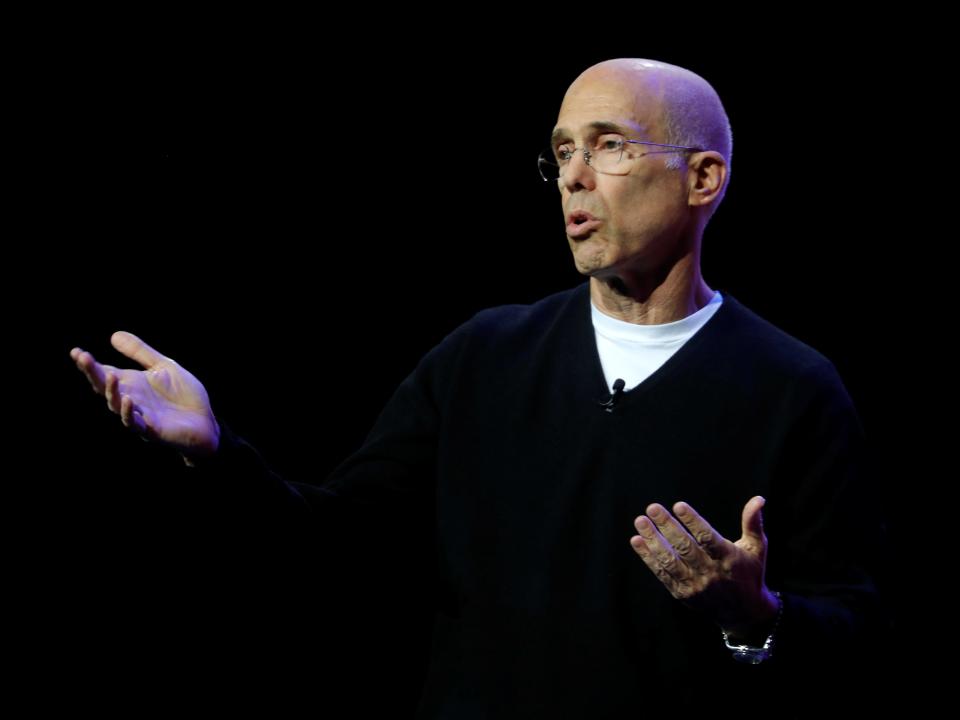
x,y
706,177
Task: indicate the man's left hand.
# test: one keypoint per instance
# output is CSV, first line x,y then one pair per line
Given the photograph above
x,y
707,572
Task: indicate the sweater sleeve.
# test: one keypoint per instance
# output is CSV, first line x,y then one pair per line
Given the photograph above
x,y
396,463
343,566
825,529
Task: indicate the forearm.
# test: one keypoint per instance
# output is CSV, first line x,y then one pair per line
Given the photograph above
x,y
244,475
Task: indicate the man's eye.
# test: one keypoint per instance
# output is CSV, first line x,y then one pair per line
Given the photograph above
x,y
609,144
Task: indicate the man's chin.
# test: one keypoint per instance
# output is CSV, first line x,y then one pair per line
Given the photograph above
x,y
589,263
595,269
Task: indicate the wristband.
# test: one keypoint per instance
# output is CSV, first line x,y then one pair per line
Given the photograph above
x,y
756,655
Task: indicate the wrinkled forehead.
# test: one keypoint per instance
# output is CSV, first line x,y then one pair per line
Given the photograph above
x,y
626,100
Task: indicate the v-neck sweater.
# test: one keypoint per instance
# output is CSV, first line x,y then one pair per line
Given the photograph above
x,y
543,608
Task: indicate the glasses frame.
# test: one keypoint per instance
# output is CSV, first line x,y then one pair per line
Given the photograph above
x,y
542,160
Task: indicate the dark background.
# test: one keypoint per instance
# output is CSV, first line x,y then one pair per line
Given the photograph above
x,y
297,226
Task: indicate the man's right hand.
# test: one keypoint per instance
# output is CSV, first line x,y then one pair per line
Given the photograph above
x,y
163,402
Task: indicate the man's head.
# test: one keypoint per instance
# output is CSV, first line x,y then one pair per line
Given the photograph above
x,y
654,210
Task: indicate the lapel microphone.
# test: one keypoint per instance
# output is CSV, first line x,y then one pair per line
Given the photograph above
x,y
611,401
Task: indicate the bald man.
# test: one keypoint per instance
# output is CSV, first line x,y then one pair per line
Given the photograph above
x,y
607,466
636,231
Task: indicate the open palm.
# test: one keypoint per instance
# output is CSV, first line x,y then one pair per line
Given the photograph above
x,y
162,402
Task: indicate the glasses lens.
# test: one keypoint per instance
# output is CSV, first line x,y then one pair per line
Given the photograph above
x,y
547,163
608,158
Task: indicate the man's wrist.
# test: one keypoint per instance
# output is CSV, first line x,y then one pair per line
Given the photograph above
x,y
763,620
753,645
199,456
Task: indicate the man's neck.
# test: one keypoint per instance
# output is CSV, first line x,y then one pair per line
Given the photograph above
x,y
650,304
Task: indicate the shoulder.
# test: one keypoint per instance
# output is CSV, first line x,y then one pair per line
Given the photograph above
x,y
517,319
758,340
503,331
762,350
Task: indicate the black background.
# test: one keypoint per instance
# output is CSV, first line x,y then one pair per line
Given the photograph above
x,y
298,225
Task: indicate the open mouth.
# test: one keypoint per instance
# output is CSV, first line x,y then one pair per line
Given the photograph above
x,y
579,217
581,224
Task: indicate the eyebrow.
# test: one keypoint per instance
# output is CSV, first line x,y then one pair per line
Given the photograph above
x,y
596,126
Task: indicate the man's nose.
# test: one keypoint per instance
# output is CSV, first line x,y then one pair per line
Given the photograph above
x,y
578,173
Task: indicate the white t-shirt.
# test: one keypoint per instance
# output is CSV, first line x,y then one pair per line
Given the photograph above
x,y
634,352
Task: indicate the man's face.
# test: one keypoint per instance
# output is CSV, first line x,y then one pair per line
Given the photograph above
x,y
641,216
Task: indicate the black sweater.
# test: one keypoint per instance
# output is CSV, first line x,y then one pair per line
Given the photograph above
x,y
543,607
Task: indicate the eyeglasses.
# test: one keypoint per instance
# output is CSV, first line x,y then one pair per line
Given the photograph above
x,y
606,158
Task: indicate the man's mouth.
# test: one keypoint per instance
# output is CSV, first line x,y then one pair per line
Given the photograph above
x,y
580,223
578,217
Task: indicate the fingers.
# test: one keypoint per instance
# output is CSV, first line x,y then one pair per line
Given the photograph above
x,y
677,552
136,349
133,417
128,344
666,548
658,553
112,392
94,371
752,521
105,381
675,534
696,548
712,542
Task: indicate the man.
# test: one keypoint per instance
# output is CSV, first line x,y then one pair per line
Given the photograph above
x,y
548,437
